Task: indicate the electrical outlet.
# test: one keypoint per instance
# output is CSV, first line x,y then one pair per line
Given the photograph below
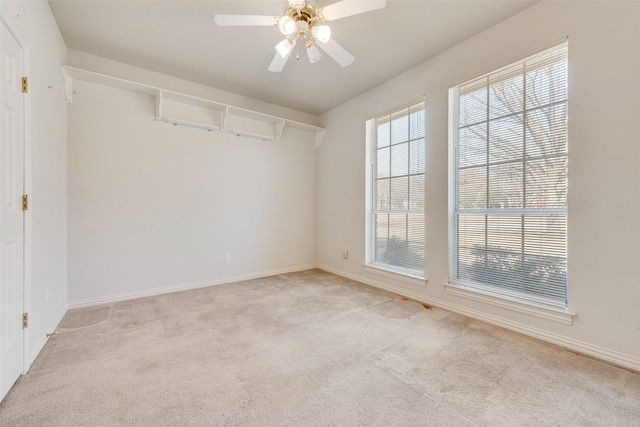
x,y
227,257
345,254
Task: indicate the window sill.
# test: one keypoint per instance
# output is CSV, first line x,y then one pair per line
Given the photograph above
x,y
549,313
397,275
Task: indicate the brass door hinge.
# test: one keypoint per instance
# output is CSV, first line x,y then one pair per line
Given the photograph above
x,y
25,202
25,85
25,320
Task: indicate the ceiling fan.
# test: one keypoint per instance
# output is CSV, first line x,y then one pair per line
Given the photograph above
x,y
302,22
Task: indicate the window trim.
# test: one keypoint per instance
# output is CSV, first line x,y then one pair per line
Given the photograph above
x,y
403,276
389,271
510,299
521,306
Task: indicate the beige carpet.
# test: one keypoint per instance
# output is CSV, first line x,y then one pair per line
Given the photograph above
x,y
307,349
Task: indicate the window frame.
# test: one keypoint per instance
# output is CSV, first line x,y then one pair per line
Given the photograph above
x,y
493,294
371,265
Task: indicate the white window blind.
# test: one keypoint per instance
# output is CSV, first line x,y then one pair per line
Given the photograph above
x,y
508,181
397,204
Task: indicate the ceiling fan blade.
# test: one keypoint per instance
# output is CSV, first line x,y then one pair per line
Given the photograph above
x,y
337,52
245,20
278,62
345,8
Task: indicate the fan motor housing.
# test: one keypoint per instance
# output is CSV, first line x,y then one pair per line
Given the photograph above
x,y
308,14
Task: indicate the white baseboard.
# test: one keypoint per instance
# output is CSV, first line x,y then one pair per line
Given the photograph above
x,y
41,343
108,299
619,359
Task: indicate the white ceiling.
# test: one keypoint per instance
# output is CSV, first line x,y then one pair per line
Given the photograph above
x,y
179,38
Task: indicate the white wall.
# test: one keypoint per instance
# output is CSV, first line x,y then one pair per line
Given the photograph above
x,y
153,205
47,293
604,65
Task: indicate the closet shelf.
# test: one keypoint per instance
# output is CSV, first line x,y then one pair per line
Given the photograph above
x,y
221,115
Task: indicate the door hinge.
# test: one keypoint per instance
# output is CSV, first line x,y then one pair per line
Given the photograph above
x,y
25,320
25,85
25,202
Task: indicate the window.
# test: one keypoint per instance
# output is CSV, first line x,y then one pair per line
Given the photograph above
x,y
508,181
395,227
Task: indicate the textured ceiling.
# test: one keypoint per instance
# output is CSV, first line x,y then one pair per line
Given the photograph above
x,y
179,38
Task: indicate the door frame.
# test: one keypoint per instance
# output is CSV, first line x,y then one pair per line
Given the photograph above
x,y
7,20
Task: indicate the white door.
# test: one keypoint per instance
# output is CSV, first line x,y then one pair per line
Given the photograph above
x,y
11,213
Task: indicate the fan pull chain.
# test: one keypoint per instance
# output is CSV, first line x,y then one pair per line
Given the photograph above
x,y
297,52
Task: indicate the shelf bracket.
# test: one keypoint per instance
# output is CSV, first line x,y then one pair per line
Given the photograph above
x,y
223,118
319,137
68,86
279,129
159,105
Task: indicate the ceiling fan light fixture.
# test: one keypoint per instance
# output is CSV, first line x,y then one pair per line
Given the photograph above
x,y
302,26
313,53
286,25
284,47
306,23
322,33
